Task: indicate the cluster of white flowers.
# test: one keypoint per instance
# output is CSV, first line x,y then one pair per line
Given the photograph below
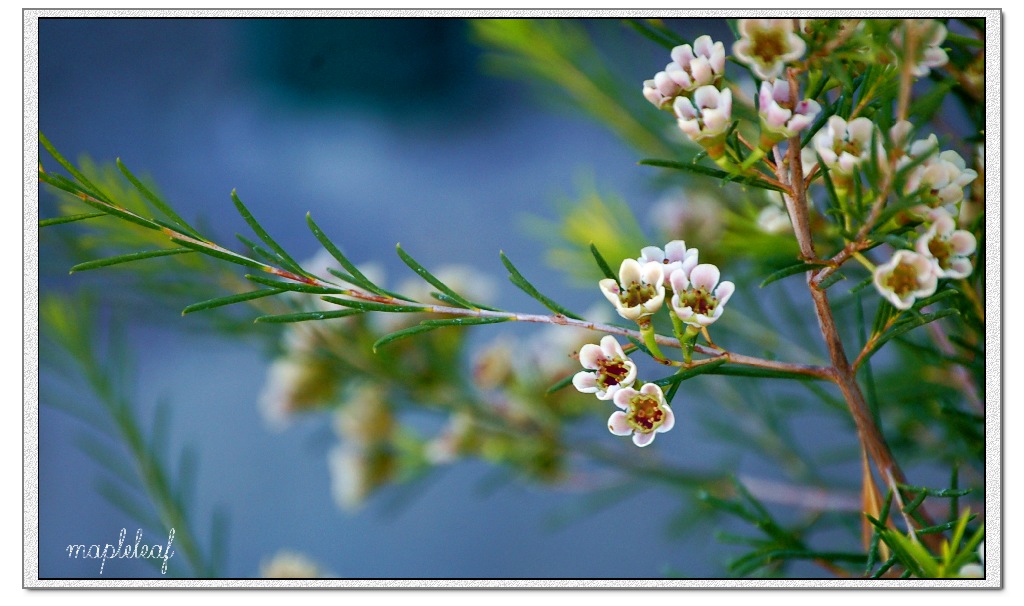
x,y
941,250
611,375
929,52
767,45
690,85
696,298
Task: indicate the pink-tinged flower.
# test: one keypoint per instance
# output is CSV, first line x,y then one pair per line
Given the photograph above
x,y
767,45
941,179
691,68
675,256
929,53
644,414
608,369
707,116
947,247
844,145
908,276
779,118
699,299
642,289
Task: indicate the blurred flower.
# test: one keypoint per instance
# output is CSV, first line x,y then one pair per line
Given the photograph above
x,y
644,413
706,118
907,277
767,45
295,384
291,565
940,178
356,472
608,369
778,121
493,365
947,247
675,256
842,146
364,418
690,68
928,52
693,301
975,570
774,220
642,290
453,440
680,212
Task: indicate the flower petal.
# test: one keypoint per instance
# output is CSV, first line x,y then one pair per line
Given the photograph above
x,y
724,292
705,275
643,439
585,382
629,272
670,420
623,396
618,425
591,356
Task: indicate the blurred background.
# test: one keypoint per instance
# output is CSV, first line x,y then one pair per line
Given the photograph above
x,y
387,131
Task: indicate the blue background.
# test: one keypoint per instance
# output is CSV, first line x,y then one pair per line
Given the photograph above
x,y
390,133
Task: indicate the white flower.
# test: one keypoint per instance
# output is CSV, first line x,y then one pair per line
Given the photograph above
x,y
291,565
842,146
942,178
451,443
975,570
675,256
707,116
644,414
690,68
774,220
929,52
697,301
777,119
947,247
907,277
682,212
294,384
642,289
608,369
350,481
365,418
767,45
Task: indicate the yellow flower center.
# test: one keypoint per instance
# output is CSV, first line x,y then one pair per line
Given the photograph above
x,y
637,293
611,372
903,279
768,44
699,300
941,250
645,413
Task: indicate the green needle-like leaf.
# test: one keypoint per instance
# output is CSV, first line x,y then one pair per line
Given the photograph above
x,y
70,167
69,219
149,254
463,321
308,315
602,264
799,268
401,334
560,384
372,306
230,300
156,201
436,283
517,278
711,172
219,254
293,286
287,261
